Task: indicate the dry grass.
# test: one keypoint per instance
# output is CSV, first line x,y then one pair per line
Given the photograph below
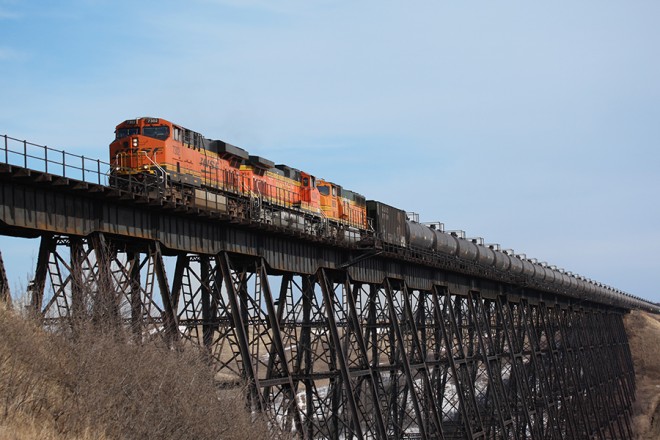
x,y
89,384
643,331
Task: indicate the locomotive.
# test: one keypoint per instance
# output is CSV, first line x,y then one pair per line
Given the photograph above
x,y
154,155
165,160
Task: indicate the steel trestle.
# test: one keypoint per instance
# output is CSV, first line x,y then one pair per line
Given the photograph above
x,y
324,356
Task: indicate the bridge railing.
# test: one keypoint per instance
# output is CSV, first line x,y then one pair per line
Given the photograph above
x,y
53,161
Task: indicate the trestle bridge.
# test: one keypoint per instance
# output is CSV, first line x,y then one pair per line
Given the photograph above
x,y
334,340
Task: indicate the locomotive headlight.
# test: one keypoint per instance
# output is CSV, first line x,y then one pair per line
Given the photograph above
x,y
135,142
146,167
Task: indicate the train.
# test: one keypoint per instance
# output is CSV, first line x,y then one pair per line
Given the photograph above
x,y
162,159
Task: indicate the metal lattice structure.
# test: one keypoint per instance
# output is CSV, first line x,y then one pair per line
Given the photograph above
x,y
327,357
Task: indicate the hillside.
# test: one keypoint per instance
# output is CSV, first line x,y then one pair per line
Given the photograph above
x,y
644,336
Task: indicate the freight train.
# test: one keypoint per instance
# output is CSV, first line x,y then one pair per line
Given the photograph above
x,y
162,159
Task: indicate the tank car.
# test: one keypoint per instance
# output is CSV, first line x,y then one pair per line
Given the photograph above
x,y
486,255
445,243
467,249
420,236
502,260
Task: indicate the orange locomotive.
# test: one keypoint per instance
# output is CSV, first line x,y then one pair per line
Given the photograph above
x,y
152,153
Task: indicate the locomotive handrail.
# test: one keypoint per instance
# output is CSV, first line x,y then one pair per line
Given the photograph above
x,y
324,220
158,167
119,160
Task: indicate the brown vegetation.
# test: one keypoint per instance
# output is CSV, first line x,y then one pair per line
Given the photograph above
x,y
643,331
89,384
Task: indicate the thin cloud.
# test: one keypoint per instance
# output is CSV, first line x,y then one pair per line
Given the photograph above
x,y
9,54
7,10
8,15
283,7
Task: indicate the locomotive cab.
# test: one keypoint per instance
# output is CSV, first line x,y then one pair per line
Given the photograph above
x,y
150,153
139,145
341,204
329,196
138,153
309,194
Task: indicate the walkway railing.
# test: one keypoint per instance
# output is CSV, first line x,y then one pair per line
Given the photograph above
x,y
53,161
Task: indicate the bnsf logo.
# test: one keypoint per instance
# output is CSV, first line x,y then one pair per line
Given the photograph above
x,y
209,163
136,151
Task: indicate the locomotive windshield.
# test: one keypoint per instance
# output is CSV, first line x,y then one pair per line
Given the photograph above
x,y
160,132
124,132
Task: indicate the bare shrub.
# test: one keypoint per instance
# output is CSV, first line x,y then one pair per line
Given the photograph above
x,y
95,382
31,376
150,391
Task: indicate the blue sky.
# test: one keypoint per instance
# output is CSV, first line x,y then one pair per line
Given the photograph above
x,y
532,125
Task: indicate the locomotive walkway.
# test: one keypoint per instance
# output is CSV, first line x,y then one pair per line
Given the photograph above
x,y
334,339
